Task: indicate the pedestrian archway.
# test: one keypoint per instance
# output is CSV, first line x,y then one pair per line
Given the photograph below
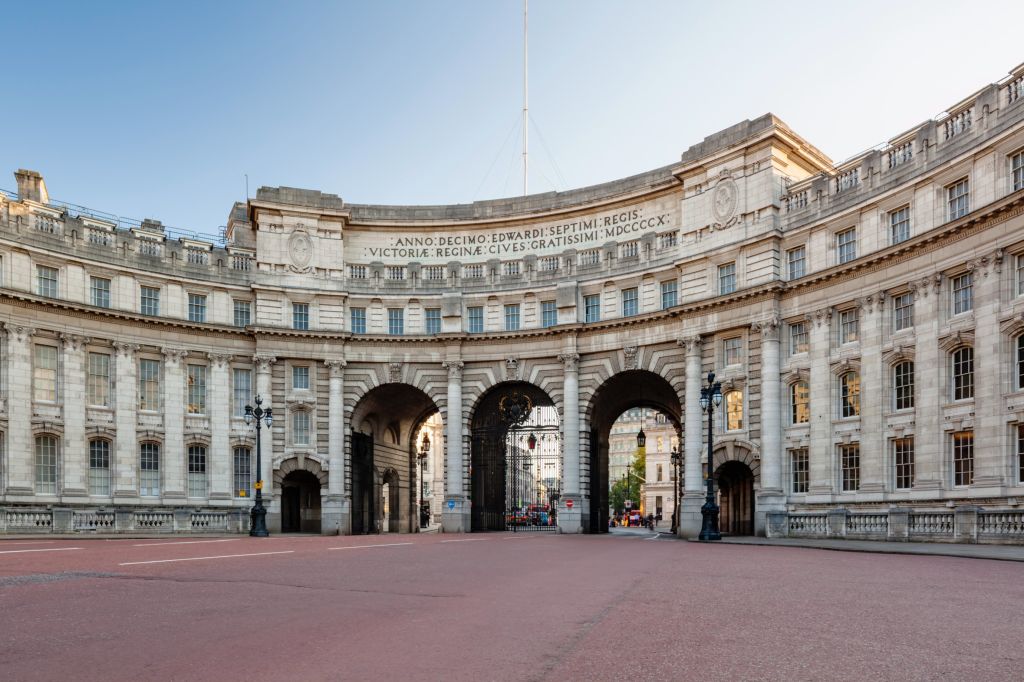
x,y
737,472
637,390
385,458
300,502
516,459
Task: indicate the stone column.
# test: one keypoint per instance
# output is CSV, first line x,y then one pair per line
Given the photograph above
x,y
873,443
126,484
570,519
264,364
455,518
990,470
771,497
172,464
820,452
693,432
928,393
336,509
20,443
74,450
220,426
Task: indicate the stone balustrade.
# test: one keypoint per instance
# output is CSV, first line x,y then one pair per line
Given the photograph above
x,y
967,524
122,520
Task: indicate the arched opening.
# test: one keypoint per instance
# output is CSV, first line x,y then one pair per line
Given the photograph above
x,y
515,460
736,498
649,395
300,502
642,480
386,465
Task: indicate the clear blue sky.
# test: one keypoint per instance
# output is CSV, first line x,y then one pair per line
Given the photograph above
x,y
150,109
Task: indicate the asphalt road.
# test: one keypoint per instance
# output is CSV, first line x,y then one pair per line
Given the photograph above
x,y
499,607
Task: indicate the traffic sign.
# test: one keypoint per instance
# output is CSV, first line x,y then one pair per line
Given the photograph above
x,y
451,505
629,504
568,504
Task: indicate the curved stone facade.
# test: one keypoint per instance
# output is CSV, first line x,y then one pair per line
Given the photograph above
x,y
865,321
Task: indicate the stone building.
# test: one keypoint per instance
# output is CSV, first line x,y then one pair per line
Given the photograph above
x,y
866,321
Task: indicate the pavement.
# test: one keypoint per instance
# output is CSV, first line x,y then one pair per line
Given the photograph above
x,y
499,606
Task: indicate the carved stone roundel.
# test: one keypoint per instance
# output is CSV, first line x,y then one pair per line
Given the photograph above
x,y
724,200
300,248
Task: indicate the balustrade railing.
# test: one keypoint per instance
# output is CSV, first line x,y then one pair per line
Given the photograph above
x,y
1006,524
867,524
209,521
931,523
847,180
900,155
808,524
1015,90
154,520
958,123
94,520
797,201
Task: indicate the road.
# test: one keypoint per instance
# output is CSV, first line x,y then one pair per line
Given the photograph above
x,y
498,607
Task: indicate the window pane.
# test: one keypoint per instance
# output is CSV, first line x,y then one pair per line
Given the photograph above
x,y
849,463
300,428
242,388
44,373
46,465
396,321
903,385
300,377
899,225
46,281
798,338
963,458
149,384
849,395
98,380
511,318
630,302
475,319
432,324
846,245
149,469
243,313
149,301
734,410
963,293
196,471
727,278
958,199
358,316
903,460
669,294
800,468
99,467
963,373
243,472
800,398
196,389
797,261
196,308
592,308
549,314
300,316
100,288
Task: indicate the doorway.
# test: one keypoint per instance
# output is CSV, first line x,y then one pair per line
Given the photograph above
x,y
736,490
300,503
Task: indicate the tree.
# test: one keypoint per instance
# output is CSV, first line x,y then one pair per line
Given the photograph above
x,y
617,496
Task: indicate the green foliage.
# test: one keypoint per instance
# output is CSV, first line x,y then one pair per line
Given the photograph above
x,y
617,496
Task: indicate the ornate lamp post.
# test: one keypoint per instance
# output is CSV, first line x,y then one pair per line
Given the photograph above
x,y
710,398
677,465
423,453
258,515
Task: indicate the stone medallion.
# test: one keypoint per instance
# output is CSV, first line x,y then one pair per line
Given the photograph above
x,y
300,249
724,201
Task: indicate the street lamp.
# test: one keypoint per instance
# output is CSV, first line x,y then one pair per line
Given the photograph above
x,y
424,451
710,398
258,515
677,466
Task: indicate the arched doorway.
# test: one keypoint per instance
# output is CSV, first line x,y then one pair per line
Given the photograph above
x,y
385,461
736,498
300,502
615,397
515,460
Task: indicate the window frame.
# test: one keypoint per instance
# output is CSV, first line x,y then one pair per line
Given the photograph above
x,y
99,296
54,282
149,304
903,463
849,467
396,321
903,380
899,225
196,307
432,321
149,461
804,334
903,315
846,245
727,278
196,385
300,317
962,457
958,203
548,314
592,304
630,301
796,407
197,463
797,254
50,484
670,289
475,319
849,395
799,471
357,319
145,382
511,317
961,291
99,461
241,312
300,378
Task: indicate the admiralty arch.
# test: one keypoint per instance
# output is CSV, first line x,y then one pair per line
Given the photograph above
x,y
866,320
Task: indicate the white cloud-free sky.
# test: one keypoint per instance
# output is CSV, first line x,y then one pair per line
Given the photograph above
x,y
159,109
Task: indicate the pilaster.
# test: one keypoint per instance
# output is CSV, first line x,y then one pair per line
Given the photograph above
x,y
220,426
872,440
456,515
989,448
264,365
928,393
770,497
173,463
570,518
336,518
693,489
71,394
125,407
20,444
822,480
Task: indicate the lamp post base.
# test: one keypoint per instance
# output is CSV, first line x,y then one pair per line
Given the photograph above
x,y
258,521
709,523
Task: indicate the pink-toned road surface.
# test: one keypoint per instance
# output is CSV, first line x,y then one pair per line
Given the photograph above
x,y
499,607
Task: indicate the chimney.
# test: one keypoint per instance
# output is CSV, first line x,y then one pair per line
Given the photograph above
x,y
31,186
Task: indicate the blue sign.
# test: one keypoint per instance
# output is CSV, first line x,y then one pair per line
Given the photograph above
x,y
451,505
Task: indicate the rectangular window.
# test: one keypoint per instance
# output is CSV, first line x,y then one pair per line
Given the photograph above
x,y
798,338
149,301
196,389
1017,168
727,278
796,260
243,472
958,199
902,312
512,317
300,378
630,302
903,386
97,388
849,467
432,321
548,314
1020,453
396,321
243,313
1020,275
149,384
903,462
963,293
196,308
800,466
733,351
475,319
899,225
357,316
99,467
592,308
44,374
669,294
300,316
149,469
300,428
963,458
241,387
963,373
197,471
1020,362
100,290
46,281
46,465
846,245
849,326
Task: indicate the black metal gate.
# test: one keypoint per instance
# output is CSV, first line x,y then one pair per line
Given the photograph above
x,y
364,508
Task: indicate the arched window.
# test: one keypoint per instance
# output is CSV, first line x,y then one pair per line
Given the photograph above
x,y
800,403
733,410
963,373
197,471
149,469
46,465
903,385
300,427
849,395
99,467
1020,362
243,471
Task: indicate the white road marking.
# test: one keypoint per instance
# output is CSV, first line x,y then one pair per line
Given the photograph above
x,y
200,558
656,536
5,543
466,540
387,544
186,542
48,549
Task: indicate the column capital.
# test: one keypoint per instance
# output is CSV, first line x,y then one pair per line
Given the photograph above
x,y
821,316
570,361
19,333
219,360
74,342
989,263
336,365
769,329
174,356
454,368
264,362
126,349
873,301
692,344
